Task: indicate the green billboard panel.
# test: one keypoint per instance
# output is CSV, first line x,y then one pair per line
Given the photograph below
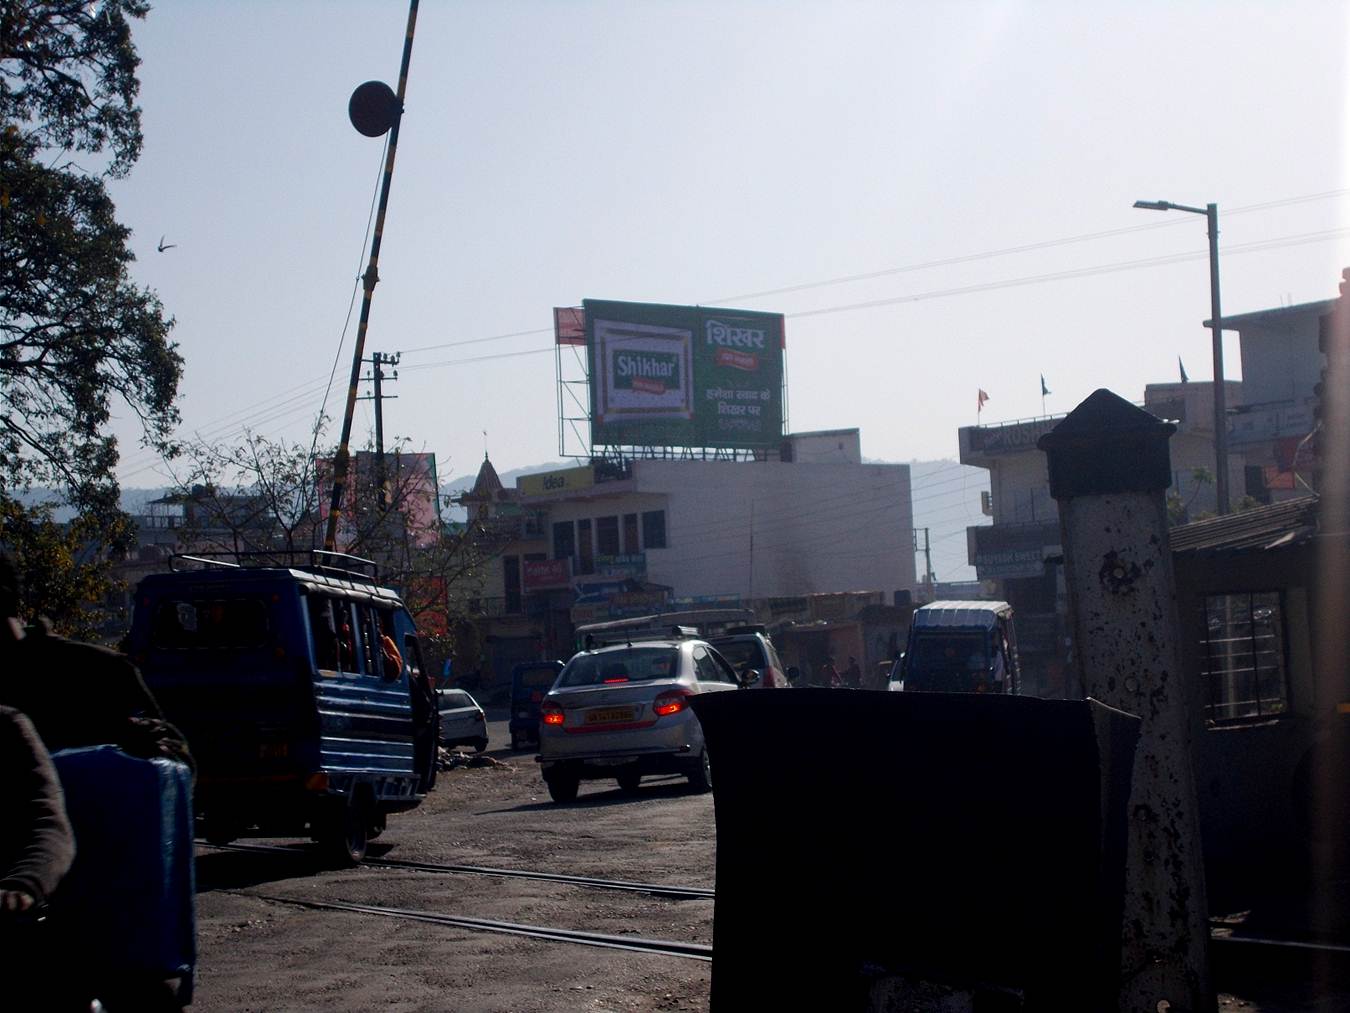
x,y
684,376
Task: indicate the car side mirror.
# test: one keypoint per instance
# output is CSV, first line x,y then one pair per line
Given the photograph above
x,y
750,677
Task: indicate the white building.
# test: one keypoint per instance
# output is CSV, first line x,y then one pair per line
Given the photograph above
x,y
819,520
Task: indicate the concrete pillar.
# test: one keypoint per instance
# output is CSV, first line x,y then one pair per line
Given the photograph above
x,y
1109,468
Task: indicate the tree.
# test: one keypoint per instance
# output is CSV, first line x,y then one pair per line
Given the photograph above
x,y
61,577
76,335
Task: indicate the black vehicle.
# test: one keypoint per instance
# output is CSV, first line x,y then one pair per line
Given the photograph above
x,y
530,681
301,691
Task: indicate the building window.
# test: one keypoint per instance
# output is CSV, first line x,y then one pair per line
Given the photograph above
x,y
630,535
654,529
511,584
564,541
607,536
1244,652
585,552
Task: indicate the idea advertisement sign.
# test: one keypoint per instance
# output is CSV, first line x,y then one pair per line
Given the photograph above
x,y
684,375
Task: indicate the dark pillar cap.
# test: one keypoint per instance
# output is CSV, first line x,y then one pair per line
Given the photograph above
x,y
1107,445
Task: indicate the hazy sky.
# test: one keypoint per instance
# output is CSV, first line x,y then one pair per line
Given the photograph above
x,y
702,152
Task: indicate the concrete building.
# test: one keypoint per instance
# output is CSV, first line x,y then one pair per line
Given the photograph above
x,y
1020,552
817,520
1281,364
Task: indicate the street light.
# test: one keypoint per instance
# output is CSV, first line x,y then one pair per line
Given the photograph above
x,y
1211,213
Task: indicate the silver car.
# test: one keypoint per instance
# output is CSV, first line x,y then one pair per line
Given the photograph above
x,y
463,722
623,712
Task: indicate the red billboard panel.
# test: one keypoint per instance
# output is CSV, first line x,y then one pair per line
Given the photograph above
x,y
546,574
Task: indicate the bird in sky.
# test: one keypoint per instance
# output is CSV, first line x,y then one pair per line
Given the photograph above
x,y
162,247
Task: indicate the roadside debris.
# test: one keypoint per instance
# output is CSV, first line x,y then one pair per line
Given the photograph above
x,y
449,759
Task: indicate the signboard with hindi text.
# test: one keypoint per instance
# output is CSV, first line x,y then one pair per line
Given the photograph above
x,y
684,376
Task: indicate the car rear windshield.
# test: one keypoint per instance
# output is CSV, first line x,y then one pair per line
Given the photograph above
x,y
741,653
209,624
636,664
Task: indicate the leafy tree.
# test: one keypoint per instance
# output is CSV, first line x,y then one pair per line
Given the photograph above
x,y
61,578
76,334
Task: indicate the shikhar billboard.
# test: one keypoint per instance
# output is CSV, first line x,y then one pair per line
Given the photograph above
x,y
684,376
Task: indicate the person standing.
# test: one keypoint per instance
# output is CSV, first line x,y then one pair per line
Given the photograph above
x,y
829,675
853,674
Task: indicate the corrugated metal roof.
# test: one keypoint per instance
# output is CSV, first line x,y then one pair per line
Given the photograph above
x,y
1268,527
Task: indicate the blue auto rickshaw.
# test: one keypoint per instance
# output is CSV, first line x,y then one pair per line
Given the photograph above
x,y
530,681
300,687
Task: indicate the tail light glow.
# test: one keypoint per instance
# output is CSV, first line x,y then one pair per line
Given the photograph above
x,y
671,702
551,714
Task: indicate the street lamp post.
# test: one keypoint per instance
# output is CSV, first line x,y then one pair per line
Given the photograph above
x,y
1211,213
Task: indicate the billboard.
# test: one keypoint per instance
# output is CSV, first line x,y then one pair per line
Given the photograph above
x,y
563,480
684,376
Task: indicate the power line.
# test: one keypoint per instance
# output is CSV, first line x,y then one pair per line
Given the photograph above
x,y
1024,248
1279,242
931,264
1079,272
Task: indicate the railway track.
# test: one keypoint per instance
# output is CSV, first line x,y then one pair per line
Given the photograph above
x,y
653,889
1223,941
662,947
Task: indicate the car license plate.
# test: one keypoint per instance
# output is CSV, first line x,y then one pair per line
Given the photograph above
x,y
610,716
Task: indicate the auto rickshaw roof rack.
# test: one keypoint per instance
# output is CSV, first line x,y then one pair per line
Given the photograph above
x,y
321,561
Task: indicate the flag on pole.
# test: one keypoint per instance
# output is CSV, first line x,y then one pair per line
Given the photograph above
x,y
1044,389
979,403
1181,366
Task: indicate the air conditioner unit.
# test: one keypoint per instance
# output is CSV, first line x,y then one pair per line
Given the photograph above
x,y
987,503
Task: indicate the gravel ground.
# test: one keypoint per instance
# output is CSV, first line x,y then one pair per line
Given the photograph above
x,y
257,953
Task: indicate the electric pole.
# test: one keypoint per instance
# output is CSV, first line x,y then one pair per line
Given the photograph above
x,y
929,578
374,110
377,377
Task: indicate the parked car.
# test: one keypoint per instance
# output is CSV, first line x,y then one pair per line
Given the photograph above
x,y
530,680
463,722
748,648
622,712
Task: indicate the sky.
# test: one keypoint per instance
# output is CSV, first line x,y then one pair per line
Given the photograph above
x,y
936,195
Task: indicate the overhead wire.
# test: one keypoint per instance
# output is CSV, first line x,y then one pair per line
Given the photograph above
x,y
1257,246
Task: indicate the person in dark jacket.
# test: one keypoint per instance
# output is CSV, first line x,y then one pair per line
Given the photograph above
x,y
36,844
77,694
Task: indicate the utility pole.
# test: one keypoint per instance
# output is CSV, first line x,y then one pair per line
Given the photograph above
x,y
377,377
369,279
929,578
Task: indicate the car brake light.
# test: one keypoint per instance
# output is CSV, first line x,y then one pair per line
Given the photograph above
x,y
671,702
616,680
551,714
479,716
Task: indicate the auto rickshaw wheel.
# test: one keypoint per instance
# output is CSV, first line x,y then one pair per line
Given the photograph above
x,y
346,834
